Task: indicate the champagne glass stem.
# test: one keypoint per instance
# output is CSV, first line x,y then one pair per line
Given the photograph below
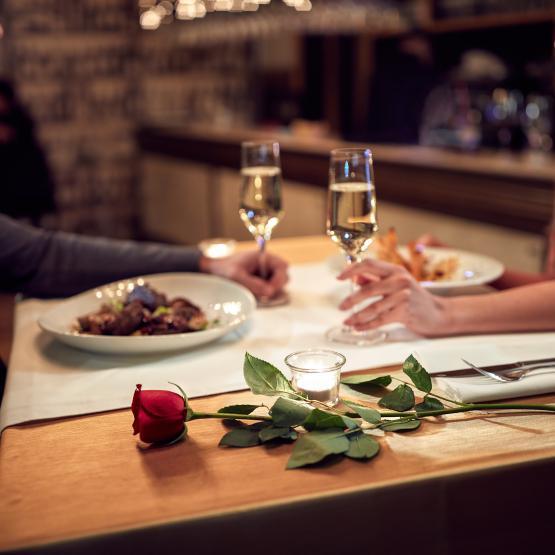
x,y
352,259
262,267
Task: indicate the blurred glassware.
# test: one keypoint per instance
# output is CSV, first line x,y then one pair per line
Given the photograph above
x,y
260,205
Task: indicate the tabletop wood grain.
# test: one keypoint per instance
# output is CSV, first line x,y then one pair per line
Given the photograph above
x,y
88,476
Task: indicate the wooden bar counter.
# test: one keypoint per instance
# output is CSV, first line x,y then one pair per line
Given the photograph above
x,y
476,483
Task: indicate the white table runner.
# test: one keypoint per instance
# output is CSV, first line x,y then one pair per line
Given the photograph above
x,y
49,380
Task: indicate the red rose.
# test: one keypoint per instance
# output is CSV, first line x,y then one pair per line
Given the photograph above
x,y
159,415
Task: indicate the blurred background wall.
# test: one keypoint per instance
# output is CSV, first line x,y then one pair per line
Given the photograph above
x,y
88,75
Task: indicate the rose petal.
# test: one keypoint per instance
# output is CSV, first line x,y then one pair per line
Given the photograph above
x,y
162,403
155,430
135,407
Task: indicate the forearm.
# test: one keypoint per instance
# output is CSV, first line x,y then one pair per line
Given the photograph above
x,y
511,278
72,264
41,263
528,308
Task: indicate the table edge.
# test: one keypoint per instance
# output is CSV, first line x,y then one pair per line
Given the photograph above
x,y
471,469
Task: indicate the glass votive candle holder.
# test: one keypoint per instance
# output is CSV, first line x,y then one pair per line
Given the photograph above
x,y
217,248
316,372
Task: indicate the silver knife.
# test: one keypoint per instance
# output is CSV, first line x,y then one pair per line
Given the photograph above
x,y
498,368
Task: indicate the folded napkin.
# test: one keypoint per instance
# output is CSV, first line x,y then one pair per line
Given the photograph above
x,y
499,350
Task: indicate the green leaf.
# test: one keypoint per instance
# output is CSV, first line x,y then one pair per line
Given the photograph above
x,y
429,403
367,379
369,415
239,409
188,409
240,437
161,310
117,305
322,420
265,379
400,399
417,373
313,447
275,432
401,425
259,425
362,447
288,413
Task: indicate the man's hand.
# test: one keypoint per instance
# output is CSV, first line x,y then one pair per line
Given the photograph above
x,y
244,268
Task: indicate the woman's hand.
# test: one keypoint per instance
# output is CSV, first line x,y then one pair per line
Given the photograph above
x,y
403,300
244,268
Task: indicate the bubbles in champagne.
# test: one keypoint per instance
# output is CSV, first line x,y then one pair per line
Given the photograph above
x,y
260,205
352,216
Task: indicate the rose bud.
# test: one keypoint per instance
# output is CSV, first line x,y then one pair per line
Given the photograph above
x,y
159,415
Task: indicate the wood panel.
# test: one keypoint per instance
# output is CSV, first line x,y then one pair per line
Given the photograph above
x,y
515,204
6,325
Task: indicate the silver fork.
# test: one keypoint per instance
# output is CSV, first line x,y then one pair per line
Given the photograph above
x,y
509,375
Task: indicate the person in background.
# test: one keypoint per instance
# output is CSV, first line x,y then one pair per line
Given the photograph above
x,y
450,117
57,264
26,185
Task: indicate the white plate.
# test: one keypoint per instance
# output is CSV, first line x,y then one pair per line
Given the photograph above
x,y
228,302
473,269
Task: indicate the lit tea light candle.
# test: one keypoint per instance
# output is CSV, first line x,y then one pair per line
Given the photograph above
x,y
217,248
316,372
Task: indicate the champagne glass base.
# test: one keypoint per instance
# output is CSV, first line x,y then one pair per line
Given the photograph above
x,y
280,299
349,336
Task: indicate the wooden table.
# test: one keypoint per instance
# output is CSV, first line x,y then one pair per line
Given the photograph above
x,y
82,485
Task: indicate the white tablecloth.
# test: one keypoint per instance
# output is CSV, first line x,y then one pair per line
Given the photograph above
x,y
49,380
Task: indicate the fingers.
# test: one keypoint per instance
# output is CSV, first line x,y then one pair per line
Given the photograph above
x,y
256,285
277,269
374,310
370,269
384,287
397,315
279,277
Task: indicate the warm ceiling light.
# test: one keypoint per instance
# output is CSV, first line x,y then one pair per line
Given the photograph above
x,y
223,5
185,11
304,6
150,20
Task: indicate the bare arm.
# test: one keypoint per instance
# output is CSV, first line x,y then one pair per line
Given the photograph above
x,y
512,278
526,308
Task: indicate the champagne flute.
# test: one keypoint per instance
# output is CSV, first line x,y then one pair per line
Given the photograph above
x,y
260,200
351,221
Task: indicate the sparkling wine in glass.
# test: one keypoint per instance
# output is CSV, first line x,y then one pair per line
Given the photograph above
x,y
260,204
351,221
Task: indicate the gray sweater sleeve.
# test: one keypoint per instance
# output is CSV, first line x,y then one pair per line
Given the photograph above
x,y
46,263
